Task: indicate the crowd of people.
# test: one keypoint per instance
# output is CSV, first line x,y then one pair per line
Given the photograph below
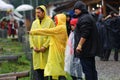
x,y
63,52
11,28
65,47
109,32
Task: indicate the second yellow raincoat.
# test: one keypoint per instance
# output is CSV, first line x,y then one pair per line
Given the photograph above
x,y
58,39
40,59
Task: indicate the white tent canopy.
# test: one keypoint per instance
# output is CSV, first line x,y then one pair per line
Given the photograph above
x,y
24,7
4,6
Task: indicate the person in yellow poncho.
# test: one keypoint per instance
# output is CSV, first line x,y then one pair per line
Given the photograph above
x,y
40,44
58,39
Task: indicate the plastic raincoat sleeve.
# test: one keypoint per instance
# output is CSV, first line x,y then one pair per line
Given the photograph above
x,y
46,44
51,31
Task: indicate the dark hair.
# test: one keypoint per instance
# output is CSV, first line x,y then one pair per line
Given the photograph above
x,y
40,9
4,19
21,23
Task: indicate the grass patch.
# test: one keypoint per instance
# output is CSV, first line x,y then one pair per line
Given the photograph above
x,y
13,48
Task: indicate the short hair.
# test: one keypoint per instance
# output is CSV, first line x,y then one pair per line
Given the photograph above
x,y
40,9
4,19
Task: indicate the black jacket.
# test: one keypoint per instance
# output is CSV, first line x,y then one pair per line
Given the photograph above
x,y
86,28
113,32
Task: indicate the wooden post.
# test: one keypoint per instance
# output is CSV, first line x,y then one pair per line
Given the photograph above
x,y
17,74
104,7
119,11
9,78
89,8
9,58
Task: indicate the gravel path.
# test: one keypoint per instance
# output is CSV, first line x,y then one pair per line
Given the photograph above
x,y
108,70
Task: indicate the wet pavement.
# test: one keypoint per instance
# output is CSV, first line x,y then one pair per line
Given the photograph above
x,y
108,70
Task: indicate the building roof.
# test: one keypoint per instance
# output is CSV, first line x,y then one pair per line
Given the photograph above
x,y
67,5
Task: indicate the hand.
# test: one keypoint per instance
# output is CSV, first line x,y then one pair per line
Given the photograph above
x,y
36,50
29,32
43,49
79,48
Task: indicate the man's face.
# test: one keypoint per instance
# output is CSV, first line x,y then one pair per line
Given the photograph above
x,y
39,14
77,11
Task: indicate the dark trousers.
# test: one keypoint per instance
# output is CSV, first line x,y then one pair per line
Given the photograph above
x,y
40,74
108,52
76,78
89,68
116,54
59,78
13,33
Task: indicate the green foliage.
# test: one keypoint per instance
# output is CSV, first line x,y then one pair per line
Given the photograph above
x,y
10,47
27,78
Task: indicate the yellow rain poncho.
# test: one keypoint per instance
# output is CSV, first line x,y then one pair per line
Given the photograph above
x,y
58,39
40,59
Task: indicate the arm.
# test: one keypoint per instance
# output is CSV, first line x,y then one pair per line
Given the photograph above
x,y
80,44
46,44
85,32
48,32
